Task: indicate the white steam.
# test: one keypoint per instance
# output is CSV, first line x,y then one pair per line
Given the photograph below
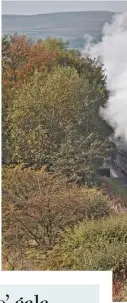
x,y
112,52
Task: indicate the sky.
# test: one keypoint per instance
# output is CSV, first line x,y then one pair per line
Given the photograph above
x,y
41,7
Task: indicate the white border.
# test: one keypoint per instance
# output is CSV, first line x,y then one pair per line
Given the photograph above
x,y
102,278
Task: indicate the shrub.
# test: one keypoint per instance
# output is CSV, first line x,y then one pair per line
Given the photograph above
x,y
38,206
93,245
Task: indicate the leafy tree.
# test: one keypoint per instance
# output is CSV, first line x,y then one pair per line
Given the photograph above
x,y
18,50
54,44
39,59
54,120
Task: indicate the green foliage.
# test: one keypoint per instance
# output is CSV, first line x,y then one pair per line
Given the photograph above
x,y
53,121
54,44
93,245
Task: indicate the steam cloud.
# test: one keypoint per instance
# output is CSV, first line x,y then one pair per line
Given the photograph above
x,y
112,53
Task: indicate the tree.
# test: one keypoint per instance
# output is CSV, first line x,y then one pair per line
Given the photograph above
x,y
39,59
18,50
54,119
48,108
54,44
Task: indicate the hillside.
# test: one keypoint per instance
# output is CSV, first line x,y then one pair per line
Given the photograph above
x,y
70,26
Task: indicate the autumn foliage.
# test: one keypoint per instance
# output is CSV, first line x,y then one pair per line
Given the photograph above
x,y
53,141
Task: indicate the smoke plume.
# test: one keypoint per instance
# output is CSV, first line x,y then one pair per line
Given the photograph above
x,y
112,52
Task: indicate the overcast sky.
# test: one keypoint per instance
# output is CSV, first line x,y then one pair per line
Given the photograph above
x,y
40,7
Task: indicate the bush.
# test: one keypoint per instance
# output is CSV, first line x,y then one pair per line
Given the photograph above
x,y
93,245
38,206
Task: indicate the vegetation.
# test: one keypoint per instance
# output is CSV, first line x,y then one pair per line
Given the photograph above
x,y
93,245
53,142
44,204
